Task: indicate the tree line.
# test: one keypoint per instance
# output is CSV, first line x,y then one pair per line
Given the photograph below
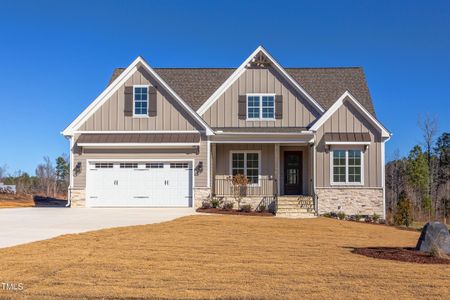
x,y
51,178
418,185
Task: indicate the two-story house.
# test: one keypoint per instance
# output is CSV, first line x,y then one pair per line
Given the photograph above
x,y
172,137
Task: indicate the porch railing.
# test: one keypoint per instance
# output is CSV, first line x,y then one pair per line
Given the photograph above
x,y
266,186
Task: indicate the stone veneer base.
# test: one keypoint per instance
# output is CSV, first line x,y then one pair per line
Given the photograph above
x,y
352,201
77,198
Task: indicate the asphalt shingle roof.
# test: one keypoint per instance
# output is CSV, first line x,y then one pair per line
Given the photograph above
x,y
325,85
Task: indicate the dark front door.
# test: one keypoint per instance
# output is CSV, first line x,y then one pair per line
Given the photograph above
x,y
292,172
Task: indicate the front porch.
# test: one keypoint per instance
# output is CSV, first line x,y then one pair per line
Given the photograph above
x,y
280,174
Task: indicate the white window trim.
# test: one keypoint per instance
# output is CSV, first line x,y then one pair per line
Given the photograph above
x,y
148,94
346,183
245,163
260,95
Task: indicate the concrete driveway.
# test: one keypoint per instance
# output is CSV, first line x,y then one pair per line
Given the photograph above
x,y
24,225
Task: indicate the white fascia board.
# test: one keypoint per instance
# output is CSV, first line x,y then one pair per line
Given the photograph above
x,y
116,84
121,145
135,131
384,132
241,69
301,133
306,142
347,143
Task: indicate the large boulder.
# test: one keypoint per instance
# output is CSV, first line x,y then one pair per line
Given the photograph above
x,y
434,233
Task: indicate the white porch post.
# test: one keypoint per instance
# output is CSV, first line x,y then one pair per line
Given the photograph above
x,y
213,167
277,166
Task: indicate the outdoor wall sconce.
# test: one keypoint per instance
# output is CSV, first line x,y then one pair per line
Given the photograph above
x,y
199,168
77,168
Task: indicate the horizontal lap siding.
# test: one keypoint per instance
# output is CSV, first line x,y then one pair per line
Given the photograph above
x,y
297,112
348,119
169,115
200,180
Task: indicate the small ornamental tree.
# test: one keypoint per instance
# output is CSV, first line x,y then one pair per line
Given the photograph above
x,y
403,215
239,183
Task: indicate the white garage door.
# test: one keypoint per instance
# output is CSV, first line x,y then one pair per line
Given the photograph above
x,y
139,184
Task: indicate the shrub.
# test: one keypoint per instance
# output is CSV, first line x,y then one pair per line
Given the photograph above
x,y
246,208
206,204
215,202
358,217
327,215
403,215
375,218
341,215
239,183
262,208
228,205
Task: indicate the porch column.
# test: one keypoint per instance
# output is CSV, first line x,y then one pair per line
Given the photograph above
x,y
213,167
277,166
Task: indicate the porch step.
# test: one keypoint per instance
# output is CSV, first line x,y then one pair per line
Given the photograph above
x,y
295,207
296,215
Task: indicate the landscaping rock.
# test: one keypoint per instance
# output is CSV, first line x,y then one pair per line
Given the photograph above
x,y
434,233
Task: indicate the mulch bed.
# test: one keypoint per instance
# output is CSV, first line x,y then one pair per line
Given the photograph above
x,y
401,254
234,212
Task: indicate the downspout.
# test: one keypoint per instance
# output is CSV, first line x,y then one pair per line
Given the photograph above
x,y
383,173
69,190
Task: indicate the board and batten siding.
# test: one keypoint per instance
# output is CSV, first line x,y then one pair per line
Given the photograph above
x,y
169,114
223,157
200,180
348,119
297,112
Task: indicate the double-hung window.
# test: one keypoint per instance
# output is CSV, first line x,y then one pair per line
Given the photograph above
x,y
140,101
346,167
246,163
260,107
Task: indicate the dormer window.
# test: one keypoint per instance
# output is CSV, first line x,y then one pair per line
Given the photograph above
x,y
140,100
260,107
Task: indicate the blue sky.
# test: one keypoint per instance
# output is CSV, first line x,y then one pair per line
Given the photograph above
x,y
57,56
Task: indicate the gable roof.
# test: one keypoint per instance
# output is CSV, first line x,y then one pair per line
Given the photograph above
x,y
196,85
260,57
347,96
117,83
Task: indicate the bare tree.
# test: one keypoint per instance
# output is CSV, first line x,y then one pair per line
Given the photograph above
x,y
46,176
429,127
3,170
395,180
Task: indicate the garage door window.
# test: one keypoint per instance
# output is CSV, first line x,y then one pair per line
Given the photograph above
x,y
154,166
179,165
128,165
103,165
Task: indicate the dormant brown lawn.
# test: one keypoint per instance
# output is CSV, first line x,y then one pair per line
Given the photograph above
x,y
223,257
16,200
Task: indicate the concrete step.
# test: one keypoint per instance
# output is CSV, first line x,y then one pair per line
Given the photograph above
x,y
293,210
295,215
288,201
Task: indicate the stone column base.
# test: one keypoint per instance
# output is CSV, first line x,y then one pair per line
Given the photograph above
x,y
351,201
200,195
77,198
